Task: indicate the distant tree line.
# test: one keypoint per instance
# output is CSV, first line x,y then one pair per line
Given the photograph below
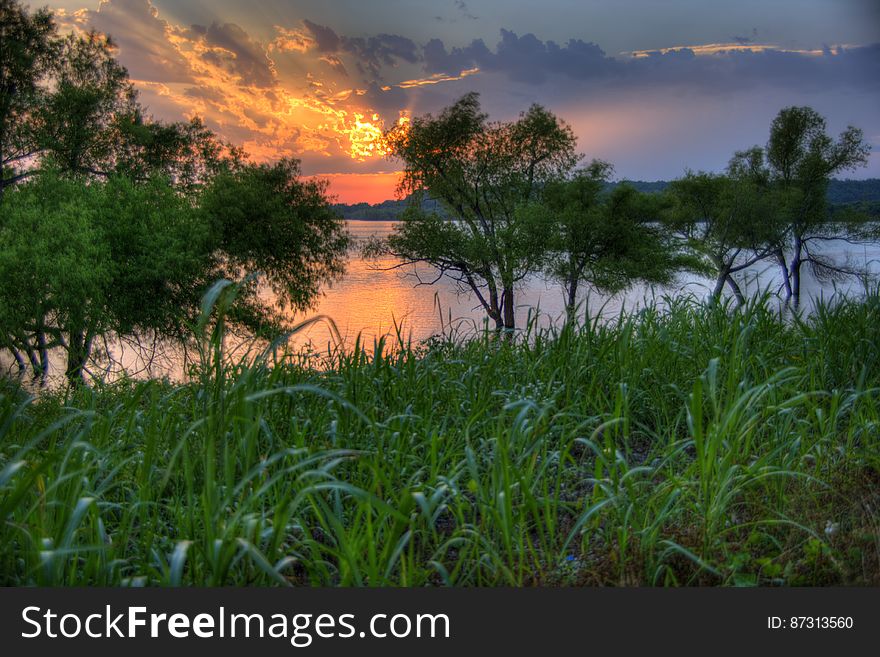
x,y
862,193
112,222
510,199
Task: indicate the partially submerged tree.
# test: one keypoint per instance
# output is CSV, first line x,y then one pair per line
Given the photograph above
x,y
802,158
82,260
606,240
482,172
726,220
268,219
79,261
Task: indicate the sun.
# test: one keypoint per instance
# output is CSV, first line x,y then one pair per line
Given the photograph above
x,y
366,137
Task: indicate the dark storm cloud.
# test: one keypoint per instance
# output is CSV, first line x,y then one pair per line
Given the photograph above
x,y
438,60
858,68
524,58
237,53
531,61
374,52
325,38
371,53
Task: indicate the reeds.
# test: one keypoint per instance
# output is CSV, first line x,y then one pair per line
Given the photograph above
x,y
699,444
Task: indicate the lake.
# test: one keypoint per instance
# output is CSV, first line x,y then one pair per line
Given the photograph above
x,y
371,299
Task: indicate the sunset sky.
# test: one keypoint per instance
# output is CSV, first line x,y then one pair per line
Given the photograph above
x,y
654,86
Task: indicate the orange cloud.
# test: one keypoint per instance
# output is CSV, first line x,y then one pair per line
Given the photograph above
x,y
306,106
716,48
292,40
436,79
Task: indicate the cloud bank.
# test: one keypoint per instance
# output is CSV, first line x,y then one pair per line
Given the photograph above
x,y
302,89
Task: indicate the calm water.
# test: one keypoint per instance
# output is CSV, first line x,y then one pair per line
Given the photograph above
x,y
371,299
368,300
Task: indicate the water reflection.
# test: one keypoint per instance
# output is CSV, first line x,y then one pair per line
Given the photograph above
x,y
368,301
373,300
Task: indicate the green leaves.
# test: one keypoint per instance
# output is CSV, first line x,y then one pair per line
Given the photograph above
x,y
608,240
266,218
482,173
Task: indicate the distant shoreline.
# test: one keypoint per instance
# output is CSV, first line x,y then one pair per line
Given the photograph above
x,y
840,192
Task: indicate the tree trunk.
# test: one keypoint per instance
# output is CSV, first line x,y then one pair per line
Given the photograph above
x,y
19,360
786,281
44,356
571,301
494,311
723,269
719,284
507,301
796,271
77,354
32,357
737,292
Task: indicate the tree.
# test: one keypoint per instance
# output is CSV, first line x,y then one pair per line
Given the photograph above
x,y
726,220
79,261
188,154
266,218
67,103
481,172
78,125
27,46
606,240
83,259
802,157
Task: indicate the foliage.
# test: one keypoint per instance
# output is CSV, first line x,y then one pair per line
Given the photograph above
x,y
726,220
267,218
482,173
802,158
187,154
81,261
77,125
78,261
390,210
608,240
27,51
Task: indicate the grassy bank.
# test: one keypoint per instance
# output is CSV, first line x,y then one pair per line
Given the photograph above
x,y
699,445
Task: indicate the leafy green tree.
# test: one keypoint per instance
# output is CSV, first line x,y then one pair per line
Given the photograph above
x,y
267,218
188,154
481,172
78,125
802,158
605,240
79,261
726,220
82,259
27,49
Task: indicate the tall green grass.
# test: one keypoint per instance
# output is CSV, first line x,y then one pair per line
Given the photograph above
x,y
699,444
